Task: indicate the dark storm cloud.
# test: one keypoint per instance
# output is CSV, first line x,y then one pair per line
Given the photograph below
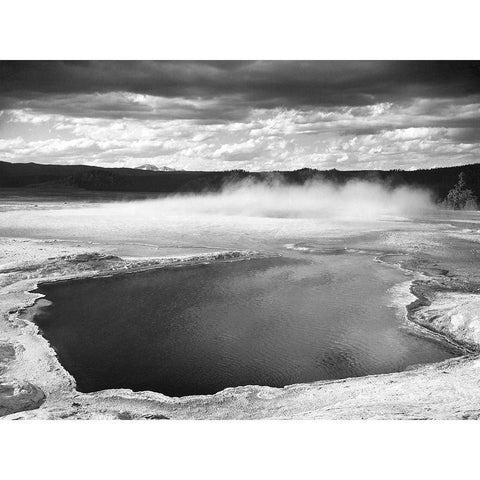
x,y
466,135
261,84
260,115
117,105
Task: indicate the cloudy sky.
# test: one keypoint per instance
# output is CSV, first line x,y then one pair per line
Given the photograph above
x,y
256,115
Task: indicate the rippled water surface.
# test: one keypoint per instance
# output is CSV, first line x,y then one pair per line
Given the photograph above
x,y
199,329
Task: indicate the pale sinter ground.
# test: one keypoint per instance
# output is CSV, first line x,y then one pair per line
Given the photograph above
x,y
35,385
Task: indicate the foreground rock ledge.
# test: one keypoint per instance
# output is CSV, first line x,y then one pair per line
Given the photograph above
x,y
34,385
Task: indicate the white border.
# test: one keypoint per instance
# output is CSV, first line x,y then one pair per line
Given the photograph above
x,y
238,450
251,29
214,29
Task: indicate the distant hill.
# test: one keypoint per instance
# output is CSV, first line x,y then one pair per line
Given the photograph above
x,y
154,168
17,175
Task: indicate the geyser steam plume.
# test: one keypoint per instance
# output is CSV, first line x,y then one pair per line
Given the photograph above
x,y
356,200
241,215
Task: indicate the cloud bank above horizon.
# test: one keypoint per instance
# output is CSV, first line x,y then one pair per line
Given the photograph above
x,y
260,115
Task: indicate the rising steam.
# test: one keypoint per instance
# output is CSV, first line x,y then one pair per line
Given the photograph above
x,y
243,215
356,200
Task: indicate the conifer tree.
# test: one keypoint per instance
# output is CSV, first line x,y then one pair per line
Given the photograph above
x,y
460,197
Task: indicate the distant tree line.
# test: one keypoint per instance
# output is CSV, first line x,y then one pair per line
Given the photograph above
x,y
445,184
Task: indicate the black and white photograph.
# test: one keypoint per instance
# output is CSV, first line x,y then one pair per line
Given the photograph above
x,y
239,239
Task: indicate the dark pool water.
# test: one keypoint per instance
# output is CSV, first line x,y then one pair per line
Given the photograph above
x,y
199,329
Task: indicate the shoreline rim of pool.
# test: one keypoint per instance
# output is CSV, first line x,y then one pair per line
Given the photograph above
x,y
458,347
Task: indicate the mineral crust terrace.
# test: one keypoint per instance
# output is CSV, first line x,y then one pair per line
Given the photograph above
x,y
34,385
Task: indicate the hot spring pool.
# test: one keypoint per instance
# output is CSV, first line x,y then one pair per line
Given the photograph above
x,y
199,329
